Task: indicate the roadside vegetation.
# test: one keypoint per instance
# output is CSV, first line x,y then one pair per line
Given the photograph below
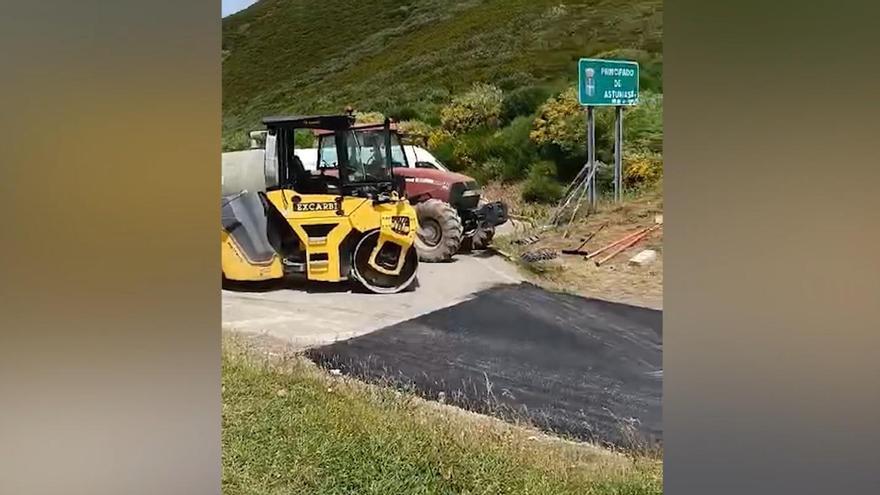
x,y
535,137
289,427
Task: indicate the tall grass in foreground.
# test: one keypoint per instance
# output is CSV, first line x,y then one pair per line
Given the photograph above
x,y
290,428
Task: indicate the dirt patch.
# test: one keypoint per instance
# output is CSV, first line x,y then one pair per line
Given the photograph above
x,y
615,280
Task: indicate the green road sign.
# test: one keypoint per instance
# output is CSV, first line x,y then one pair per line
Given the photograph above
x,y
608,82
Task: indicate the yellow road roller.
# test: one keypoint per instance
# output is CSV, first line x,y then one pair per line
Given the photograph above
x,y
347,220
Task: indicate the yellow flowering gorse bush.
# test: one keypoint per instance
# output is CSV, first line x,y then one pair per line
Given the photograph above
x,y
481,106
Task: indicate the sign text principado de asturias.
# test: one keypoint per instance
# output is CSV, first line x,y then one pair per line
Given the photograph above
x,y
608,82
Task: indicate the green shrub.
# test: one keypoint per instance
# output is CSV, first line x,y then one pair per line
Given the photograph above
x,y
402,113
445,152
509,150
477,173
235,142
541,185
429,113
486,172
643,124
369,117
561,126
478,108
641,169
523,101
512,171
304,139
470,149
438,136
508,82
427,108
459,153
542,169
494,168
435,95
560,122
513,146
559,130
415,131
642,128
543,190
401,107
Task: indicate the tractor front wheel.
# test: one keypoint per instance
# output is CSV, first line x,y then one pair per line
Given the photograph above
x,y
440,231
482,237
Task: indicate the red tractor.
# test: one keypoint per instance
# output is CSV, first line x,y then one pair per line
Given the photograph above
x,y
451,215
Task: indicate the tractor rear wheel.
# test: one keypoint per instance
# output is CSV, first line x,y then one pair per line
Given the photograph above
x,y
374,280
440,231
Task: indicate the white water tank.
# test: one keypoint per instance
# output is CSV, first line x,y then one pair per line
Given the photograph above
x,y
242,170
246,169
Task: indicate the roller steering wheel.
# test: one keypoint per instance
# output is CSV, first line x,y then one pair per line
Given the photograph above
x,y
371,162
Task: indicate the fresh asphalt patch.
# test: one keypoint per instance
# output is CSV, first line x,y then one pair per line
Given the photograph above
x,y
583,368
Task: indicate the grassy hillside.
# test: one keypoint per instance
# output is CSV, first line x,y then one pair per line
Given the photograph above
x,y
408,57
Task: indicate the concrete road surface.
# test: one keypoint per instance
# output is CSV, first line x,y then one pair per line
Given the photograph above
x,y
306,314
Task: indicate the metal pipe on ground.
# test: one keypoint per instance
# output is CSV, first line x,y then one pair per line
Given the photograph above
x,y
616,243
627,245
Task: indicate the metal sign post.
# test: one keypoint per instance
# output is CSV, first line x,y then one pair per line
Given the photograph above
x,y
607,83
590,184
618,153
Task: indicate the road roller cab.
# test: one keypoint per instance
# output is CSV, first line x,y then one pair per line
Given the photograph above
x,y
352,224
